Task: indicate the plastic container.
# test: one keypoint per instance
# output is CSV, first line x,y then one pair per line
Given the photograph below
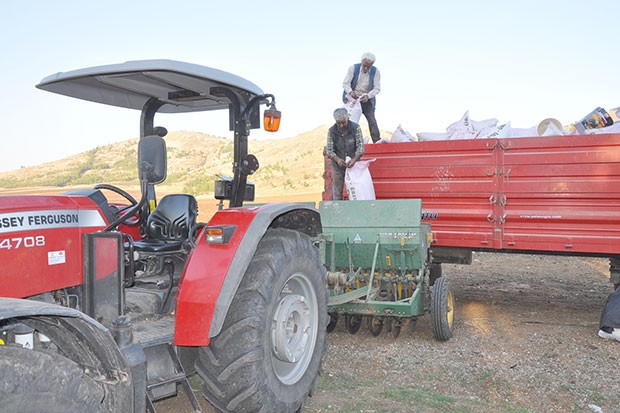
x,y
598,118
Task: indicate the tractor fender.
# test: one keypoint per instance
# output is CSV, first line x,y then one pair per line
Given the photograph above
x,y
214,271
92,330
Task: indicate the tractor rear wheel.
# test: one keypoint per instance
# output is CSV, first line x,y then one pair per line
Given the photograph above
x,y
442,309
269,351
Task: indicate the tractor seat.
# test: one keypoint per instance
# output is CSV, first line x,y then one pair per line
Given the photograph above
x,y
169,226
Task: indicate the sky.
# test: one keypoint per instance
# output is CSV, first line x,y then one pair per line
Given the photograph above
x,y
515,61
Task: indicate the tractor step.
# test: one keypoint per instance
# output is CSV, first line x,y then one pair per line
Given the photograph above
x,y
164,369
150,333
164,374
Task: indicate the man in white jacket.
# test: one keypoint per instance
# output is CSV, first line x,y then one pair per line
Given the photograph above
x,y
363,82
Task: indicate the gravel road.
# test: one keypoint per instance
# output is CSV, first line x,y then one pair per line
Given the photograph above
x,y
525,340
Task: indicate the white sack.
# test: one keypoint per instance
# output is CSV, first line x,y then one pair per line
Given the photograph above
x,y
552,130
401,135
354,107
462,128
501,131
484,124
359,182
432,136
523,132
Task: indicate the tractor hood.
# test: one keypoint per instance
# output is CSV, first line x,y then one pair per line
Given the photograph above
x,y
182,87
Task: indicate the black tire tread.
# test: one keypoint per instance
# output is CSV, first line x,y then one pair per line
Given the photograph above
x,y
45,381
232,367
442,330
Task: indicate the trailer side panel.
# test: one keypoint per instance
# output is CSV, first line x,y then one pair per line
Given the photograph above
x,y
545,194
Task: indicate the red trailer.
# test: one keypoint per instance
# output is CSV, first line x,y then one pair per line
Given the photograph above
x,y
548,195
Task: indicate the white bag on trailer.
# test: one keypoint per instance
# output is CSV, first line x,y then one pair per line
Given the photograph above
x,y
401,135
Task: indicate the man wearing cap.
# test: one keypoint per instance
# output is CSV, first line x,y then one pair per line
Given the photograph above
x,y
363,82
344,139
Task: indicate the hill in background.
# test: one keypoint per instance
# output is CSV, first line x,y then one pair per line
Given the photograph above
x,y
193,161
290,169
287,166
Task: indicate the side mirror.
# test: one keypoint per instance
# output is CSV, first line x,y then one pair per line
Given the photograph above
x,y
152,165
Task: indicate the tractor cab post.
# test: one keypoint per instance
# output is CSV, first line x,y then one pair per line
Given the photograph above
x,y
244,115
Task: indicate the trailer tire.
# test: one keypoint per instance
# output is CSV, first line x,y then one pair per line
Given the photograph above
x,y
442,309
36,381
269,352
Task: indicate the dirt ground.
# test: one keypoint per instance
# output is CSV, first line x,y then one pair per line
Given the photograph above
x,y
525,340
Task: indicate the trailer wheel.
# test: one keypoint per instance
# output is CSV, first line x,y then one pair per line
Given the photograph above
x,y
269,351
442,309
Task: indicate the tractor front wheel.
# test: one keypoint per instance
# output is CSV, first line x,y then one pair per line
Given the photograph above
x,y
45,382
269,351
83,371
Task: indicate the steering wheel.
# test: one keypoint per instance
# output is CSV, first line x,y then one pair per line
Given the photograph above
x,y
131,221
119,191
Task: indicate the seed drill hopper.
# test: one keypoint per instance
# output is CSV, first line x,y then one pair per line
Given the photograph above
x,y
378,259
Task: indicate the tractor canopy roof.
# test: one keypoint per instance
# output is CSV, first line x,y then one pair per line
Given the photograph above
x,y
179,86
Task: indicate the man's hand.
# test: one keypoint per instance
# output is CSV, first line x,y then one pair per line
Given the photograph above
x,y
351,162
364,99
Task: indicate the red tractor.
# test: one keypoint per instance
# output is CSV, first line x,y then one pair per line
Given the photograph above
x,y
108,308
